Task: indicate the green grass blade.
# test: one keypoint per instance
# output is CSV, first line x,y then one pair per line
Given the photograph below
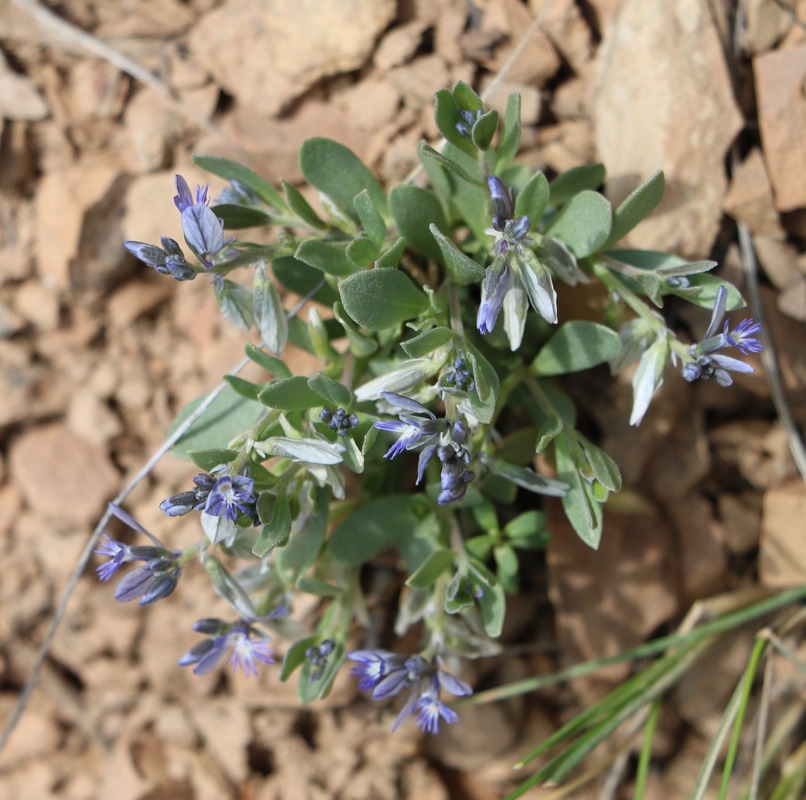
x,y
645,756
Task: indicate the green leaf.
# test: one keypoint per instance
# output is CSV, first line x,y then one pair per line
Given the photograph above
x,y
238,217
269,312
236,303
370,218
303,547
290,394
426,342
483,400
232,171
446,115
414,210
312,585
505,560
390,258
526,478
584,224
583,511
302,208
525,525
210,458
533,199
228,416
360,345
335,170
380,298
325,257
574,181
462,268
242,387
276,512
295,655
510,139
604,468
310,451
637,206
375,525
576,345
548,432
270,363
484,129
466,97
702,291
362,251
493,602
448,163
301,279
428,572
332,392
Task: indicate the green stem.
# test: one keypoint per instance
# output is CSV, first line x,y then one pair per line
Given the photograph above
x,y
616,285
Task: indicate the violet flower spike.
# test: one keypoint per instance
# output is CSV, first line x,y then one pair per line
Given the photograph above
x,y
231,495
249,648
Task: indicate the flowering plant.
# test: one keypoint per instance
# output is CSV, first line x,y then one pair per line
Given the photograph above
x,y
437,421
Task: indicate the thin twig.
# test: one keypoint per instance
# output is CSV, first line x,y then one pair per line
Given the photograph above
x,y
30,684
92,44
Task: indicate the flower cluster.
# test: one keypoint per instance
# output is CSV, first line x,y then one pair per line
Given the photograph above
x,y
459,375
515,278
467,121
455,458
219,494
204,234
388,674
317,656
339,420
705,359
248,647
156,579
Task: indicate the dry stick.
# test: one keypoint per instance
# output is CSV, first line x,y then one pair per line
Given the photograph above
x,y
64,29
30,684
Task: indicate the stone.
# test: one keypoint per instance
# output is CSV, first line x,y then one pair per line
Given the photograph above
x,y
138,297
497,98
19,98
509,19
779,259
17,231
741,518
39,304
782,555
766,23
779,78
60,474
792,300
565,145
399,45
77,236
418,81
749,198
299,41
654,61
96,89
10,321
369,104
563,23
92,419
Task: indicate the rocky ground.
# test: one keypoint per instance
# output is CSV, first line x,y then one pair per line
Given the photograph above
x,y
97,354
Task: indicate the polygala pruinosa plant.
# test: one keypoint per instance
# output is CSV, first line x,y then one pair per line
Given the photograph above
x,y
440,381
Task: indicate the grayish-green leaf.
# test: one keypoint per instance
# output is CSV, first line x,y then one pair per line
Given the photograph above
x,y
427,573
270,363
360,345
448,163
574,181
446,114
302,208
462,268
308,535
484,129
380,298
236,304
243,387
414,209
426,342
325,257
584,224
231,170
583,512
526,478
362,251
637,206
375,525
532,200
390,258
277,515
310,451
370,218
332,392
577,345
335,170
510,139
290,394
269,312
604,468
549,431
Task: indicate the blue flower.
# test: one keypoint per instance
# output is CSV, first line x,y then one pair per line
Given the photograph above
x,y
248,647
178,505
388,674
705,360
204,231
339,420
516,277
417,428
167,260
156,579
468,119
231,495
